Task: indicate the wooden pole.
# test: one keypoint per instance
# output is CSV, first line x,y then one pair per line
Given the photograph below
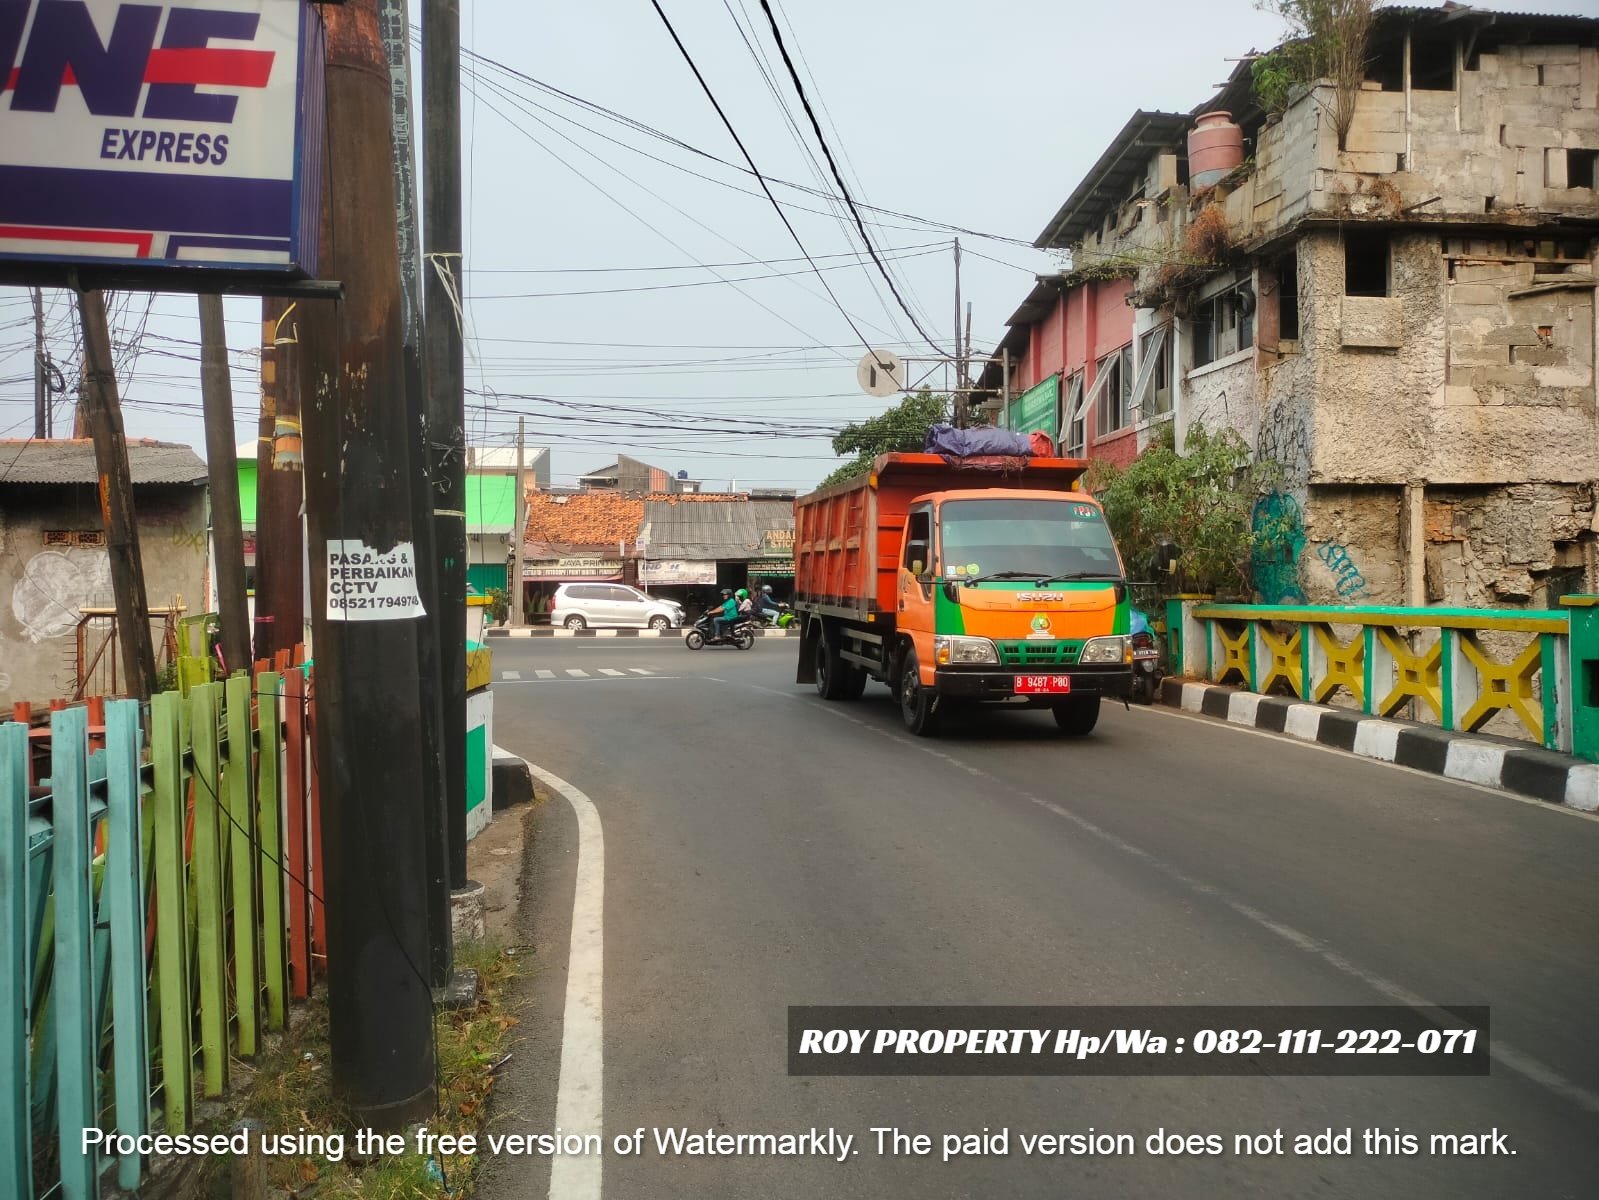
x,y
222,467
279,487
369,764
519,533
102,411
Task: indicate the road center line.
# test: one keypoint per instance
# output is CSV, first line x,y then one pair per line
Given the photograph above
x,y
1508,1056
579,1096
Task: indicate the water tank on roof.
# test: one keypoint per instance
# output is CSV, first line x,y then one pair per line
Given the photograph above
x,y
1215,147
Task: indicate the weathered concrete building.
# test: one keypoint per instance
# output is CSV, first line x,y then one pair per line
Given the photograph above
x,y
54,563
1401,315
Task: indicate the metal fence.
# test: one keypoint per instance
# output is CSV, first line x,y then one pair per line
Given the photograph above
x,y
158,912
1531,674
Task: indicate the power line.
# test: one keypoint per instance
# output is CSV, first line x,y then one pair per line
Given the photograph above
x,y
816,128
778,208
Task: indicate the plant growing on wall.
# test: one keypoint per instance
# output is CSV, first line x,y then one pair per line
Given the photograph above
x,y
1327,39
1203,499
902,428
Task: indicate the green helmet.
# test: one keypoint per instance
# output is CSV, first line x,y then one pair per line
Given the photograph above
x,y
742,594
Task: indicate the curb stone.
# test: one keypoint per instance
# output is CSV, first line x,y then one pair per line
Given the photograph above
x,y
544,631
1524,770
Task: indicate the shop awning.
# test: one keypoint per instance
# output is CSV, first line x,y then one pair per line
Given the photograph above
x,y
574,570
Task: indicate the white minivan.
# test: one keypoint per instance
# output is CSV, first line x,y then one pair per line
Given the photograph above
x,y
580,605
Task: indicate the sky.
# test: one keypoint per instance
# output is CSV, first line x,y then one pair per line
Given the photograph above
x,y
598,254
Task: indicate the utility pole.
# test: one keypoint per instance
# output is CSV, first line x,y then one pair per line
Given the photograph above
x,y
518,533
102,412
279,490
442,273
966,360
370,756
222,466
41,387
956,401
395,26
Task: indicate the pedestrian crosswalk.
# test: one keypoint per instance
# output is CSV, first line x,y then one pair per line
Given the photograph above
x,y
545,674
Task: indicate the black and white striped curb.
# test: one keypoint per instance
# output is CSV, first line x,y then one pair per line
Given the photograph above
x,y
1527,771
544,631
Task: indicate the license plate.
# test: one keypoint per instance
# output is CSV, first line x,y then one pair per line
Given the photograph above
x,y
1033,685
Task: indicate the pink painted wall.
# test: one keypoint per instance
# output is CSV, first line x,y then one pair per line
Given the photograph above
x,y
1093,315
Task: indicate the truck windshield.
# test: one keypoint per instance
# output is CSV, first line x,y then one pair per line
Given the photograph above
x,y
1035,539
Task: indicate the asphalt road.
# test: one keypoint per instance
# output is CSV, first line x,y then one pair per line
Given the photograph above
x,y
763,848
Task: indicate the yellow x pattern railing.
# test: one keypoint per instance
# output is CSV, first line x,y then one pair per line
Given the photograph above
x,y
1284,660
1416,676
1503,687
1234,645
1344,665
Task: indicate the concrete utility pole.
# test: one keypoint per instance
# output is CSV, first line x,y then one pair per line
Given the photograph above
x,y
442,275
222,466
518,534
370,756
102,413
279,490
41,385
395,26
955,399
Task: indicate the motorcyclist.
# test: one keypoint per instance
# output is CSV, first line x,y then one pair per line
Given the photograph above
x,y
764,603
745,607
727,616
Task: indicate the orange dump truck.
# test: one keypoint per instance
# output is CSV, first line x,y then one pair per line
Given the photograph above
x,y
958,586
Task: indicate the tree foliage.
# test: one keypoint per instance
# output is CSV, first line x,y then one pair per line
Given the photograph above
x,y
1202,500
1326,39
901,428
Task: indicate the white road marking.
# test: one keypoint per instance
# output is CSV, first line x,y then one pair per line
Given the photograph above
x,y
612,671
580,1092
510,674
640,671
542,674
1506,1055
577,672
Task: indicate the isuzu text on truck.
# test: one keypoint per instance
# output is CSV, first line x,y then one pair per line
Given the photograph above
x,y
958,586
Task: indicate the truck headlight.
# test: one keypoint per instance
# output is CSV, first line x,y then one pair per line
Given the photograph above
x,y
1106,650
947,650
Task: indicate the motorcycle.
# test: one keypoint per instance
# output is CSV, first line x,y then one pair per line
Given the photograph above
x,y
780,617
1147,671
740,634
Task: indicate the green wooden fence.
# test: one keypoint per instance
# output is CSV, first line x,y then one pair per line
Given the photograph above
x,y
111,1020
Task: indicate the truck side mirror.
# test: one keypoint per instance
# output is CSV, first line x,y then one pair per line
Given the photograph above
x,y
1166,556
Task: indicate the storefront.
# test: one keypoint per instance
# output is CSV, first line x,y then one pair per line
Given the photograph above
x,y
541,577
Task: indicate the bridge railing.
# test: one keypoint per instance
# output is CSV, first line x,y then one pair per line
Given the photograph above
x,y
1531,673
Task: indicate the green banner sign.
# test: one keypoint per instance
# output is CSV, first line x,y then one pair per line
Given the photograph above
x,y
1038,408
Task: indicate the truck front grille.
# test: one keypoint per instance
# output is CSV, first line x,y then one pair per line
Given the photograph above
x,y
1039,653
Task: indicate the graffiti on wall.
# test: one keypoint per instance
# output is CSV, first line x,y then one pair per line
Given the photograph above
x,y
1285,439
55,585
1278,534
1349,583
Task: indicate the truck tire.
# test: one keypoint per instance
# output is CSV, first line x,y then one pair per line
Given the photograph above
x,y
829,670
1077,716
917,706
854,681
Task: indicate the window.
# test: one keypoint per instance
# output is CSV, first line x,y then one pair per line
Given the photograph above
x,y
1073,422
1582,166
918,542
1288,297
1153,398
1385,65
1224,324
1365,263
1432,63
1114,392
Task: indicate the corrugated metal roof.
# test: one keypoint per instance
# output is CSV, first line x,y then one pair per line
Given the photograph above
x,y
72,461
1110,180
705,529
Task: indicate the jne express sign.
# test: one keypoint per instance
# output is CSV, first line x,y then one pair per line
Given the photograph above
x,y
161,134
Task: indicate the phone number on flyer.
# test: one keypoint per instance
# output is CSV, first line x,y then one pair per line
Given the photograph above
x,y
1336,1041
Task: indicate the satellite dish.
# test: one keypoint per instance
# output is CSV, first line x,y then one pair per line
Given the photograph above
x,y
880,373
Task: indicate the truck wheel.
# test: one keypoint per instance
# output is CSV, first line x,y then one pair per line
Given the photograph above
x,y
917,706
1077,716
829,670
853,682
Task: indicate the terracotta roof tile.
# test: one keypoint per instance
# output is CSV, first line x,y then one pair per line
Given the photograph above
x,y
583,518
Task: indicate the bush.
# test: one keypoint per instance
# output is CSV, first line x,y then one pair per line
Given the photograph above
x,y
1201,499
